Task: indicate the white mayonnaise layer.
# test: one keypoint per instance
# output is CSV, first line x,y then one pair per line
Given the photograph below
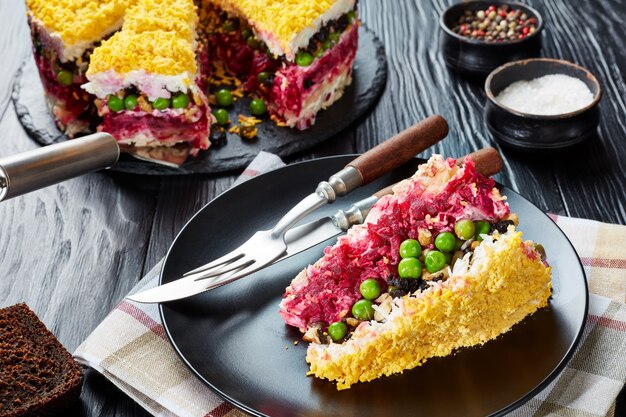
x,y
153,85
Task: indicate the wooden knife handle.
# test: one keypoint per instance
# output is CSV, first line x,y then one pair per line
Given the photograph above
x,y
488,162
401,148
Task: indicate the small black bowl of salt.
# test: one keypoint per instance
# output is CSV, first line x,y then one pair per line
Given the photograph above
x,y
542,104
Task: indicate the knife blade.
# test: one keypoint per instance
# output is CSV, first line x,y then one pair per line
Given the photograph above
x,y
303,237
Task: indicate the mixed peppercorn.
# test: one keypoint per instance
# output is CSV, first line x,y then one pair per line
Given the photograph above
x,y
422,260
496,24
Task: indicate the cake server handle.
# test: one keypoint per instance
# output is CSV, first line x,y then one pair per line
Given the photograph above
x,y
48,165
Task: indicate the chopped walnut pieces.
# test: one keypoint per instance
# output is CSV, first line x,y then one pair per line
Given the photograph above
x,y
424,237
514,218
312,334
144,105
315,334
352,322
440,275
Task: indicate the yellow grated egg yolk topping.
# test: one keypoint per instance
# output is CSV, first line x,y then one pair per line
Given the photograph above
x,y
79,20
284,19
157,37
178,16
157,52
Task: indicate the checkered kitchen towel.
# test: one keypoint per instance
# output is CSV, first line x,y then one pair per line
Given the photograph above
x,y
131,349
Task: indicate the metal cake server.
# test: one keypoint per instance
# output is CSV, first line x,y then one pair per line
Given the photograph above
x,y
265,247
38,168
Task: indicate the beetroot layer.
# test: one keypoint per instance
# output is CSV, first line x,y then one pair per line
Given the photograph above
x,y
163,127
71,103
293,84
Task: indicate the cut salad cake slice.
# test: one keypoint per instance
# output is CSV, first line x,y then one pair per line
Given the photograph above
x,y
64,33
437,266
145,78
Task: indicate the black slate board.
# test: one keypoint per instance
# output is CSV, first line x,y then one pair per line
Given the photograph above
x,y
369,77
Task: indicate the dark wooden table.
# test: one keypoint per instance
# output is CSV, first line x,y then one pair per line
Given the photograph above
x,y
72,251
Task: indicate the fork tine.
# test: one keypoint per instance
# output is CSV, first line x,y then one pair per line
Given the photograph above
x,y
234,276
229,257
234,266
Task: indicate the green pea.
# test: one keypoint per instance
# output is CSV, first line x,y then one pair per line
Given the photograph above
x,y
464,229
410,268
221,117
445,241
180,101
370,289
65,77
304,59
363,310
161,103
253,42
434,261
334,36
246,33
224,97
263,76
337,331
320,51
351,16
327,44
257,107
410,248
458,243
130,101
482,228
115,103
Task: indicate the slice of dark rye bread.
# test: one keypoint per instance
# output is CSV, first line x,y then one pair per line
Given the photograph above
x,y
38,376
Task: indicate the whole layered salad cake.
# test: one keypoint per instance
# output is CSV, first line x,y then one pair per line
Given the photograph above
x,y
146,71
438,265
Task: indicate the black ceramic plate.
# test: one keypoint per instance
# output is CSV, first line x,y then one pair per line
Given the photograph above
x,y
234,340
368,81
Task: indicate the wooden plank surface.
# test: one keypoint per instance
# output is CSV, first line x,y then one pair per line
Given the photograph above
x,y
72,251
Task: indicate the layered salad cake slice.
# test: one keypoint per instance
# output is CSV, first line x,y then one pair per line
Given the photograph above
x,y
437,266
64,33
295,56
145,78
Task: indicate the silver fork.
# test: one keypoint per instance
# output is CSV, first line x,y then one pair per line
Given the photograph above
x,y
268,245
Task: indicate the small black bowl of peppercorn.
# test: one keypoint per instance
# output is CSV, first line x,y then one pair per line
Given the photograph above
x,y
479,36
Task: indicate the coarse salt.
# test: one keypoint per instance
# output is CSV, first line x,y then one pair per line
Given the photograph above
x,y
548,95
